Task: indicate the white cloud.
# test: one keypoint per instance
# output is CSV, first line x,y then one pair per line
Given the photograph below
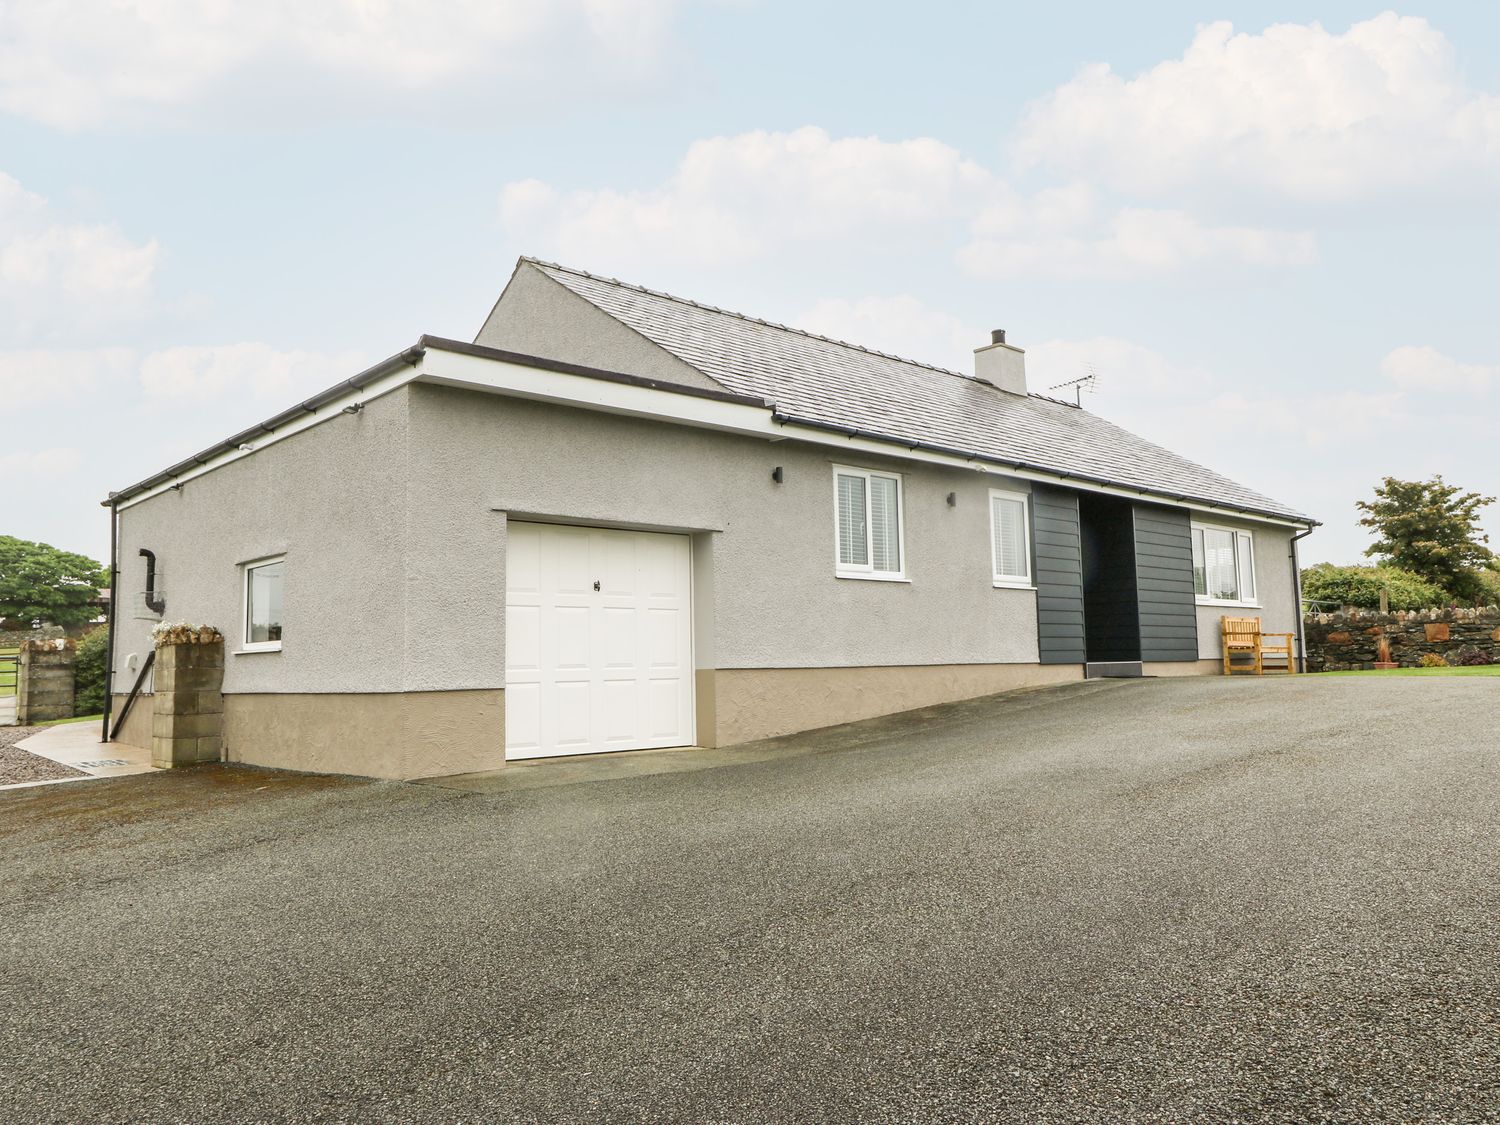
x,y
1124,370
1427,369
1201,412
1298,110
73,64
1134,242
54,272
242,371
38,375
42,461
171,377
732,200
902,325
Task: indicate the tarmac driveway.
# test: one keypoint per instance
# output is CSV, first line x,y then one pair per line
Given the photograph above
x,y
1152,900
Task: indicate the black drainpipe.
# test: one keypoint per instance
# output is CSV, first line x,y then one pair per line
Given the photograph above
x,y
1297,600
114,602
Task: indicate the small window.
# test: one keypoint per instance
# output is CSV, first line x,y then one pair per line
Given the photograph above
x,y
263,605
1010,538
1223,565
868,525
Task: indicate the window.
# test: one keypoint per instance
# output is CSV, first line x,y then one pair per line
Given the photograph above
x,y
1223,565
868,525
1010,538
263,605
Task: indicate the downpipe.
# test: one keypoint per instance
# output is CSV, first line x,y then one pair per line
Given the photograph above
x,y
1297,599
114,603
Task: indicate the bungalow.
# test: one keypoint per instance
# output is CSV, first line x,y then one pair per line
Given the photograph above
x,y
619,519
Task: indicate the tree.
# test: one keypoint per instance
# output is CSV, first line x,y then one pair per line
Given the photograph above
x,y
1431,529
39,582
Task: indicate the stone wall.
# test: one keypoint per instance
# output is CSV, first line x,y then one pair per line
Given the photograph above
x,y
1339,642
44,681
14,637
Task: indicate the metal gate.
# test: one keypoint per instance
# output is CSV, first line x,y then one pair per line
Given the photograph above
x,y
10,671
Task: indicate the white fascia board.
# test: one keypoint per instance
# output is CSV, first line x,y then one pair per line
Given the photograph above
x,y
455,369
325,413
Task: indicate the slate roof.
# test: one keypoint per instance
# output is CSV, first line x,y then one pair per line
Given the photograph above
x,y
816,379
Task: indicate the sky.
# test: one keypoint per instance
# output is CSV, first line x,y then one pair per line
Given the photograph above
x,y
1270,230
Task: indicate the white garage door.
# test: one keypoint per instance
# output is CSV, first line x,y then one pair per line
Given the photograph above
x,y
598,641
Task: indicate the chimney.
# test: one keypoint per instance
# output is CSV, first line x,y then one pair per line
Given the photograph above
x,y
1001,364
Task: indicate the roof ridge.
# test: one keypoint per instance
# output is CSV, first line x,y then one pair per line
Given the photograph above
x,y
1059,401
746,317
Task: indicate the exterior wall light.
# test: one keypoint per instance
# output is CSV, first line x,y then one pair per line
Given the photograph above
x,y
777,475
952,499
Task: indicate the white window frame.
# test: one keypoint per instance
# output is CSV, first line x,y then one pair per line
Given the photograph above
x,y
246,644
867,571
1012,581
1240,536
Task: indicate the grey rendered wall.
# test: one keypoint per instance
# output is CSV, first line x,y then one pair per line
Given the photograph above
x,y
775,600
537,316
1164,583
1059,575
1273,577
334,500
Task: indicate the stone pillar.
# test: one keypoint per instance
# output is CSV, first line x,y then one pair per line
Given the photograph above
x,y
44,681
187,716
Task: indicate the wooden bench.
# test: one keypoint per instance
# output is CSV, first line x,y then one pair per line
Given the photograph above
x,y
1246,647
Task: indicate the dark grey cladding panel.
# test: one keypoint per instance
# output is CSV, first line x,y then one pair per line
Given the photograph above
x,y
1164,564
1058,567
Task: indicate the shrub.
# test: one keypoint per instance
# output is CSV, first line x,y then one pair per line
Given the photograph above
x,y
1432,660
88,672
1361,585
1470,656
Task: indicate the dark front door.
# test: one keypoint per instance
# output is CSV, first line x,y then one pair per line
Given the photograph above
x,y
1111,605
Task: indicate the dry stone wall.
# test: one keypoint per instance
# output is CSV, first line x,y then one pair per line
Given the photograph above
x,y
1338,642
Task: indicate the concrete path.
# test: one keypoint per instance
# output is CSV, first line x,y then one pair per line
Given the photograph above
x,y
78,745
1164,901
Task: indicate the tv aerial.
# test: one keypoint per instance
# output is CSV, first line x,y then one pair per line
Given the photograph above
x,y
1087,382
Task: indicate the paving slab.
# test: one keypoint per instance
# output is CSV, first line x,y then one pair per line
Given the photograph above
x,y
77,745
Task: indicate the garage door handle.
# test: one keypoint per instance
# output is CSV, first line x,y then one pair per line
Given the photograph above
x,y
596,585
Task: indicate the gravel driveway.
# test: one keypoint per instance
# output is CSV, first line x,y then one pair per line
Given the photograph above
x,y
1158,900
18,765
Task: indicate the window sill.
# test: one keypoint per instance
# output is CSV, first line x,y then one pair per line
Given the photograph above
x,y
251,650
873,577
1228,604
1001,585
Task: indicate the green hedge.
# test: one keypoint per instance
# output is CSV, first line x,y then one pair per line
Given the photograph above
x,y
1361,585
88,672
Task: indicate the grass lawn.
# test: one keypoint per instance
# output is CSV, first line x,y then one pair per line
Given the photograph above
x,y
74,719
1480,670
